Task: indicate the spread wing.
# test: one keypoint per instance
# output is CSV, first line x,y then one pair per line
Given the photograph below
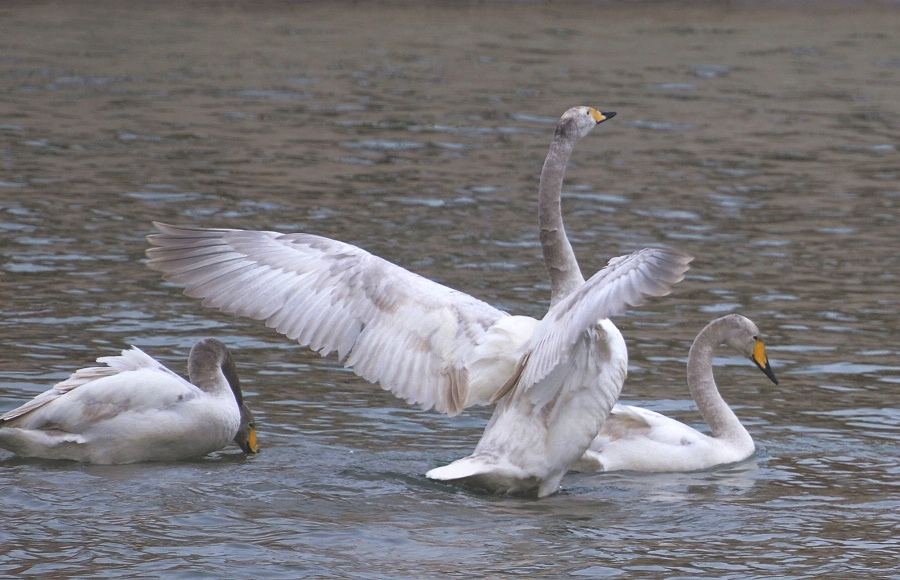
x,y
393,327
554,354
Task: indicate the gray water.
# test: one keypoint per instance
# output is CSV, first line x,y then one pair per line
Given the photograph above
x,y
762,138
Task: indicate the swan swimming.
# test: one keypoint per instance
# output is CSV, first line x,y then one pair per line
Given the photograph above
x,y
435,346
632,437
571,373
135,409
638,439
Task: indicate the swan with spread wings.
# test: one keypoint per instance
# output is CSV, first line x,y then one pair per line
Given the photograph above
x,y
435,346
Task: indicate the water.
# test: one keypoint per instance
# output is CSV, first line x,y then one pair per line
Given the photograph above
x,y
761,138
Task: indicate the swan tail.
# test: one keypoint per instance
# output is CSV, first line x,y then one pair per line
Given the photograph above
x,y
491,476
460,469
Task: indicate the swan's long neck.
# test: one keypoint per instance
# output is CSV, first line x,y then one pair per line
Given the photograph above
x,y
206,369
562,266
718,415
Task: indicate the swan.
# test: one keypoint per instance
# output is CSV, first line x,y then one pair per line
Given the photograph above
x,y
632,437
638,439
429,344
135,409
570,374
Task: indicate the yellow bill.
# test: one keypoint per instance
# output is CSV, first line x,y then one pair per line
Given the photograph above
x,y
600,117
762,361
251,441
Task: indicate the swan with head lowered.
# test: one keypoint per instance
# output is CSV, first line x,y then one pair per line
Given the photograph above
x,y
432,345
638,439
135,409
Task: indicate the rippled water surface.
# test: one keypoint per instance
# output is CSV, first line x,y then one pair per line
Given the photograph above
x,y
762,138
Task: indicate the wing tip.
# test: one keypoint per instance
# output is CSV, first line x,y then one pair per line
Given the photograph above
x,y
669,268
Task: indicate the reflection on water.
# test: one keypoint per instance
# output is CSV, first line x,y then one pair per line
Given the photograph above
x,y
761,139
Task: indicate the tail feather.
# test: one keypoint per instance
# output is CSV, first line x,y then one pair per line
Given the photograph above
x,y
460,469
495,477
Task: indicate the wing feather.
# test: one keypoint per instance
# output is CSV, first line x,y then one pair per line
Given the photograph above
x,y
380,318
624,282
133,359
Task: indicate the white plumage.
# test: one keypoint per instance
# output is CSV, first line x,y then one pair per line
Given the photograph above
x,y
638,439
424,342
432,345
570,375
135,409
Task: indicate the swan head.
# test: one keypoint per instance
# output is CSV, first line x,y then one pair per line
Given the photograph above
x,y
578,121
208,364
208,361
246,435
743,336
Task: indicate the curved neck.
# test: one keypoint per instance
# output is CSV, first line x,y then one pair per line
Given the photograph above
x,y
716,412
562,266
206,371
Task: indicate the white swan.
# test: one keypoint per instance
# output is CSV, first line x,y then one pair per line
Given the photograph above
x,y
429,344
631,437
135,409
570,375
637,439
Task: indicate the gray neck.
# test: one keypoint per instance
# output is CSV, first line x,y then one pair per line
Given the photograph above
x,y
716,412
562,266
211,368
